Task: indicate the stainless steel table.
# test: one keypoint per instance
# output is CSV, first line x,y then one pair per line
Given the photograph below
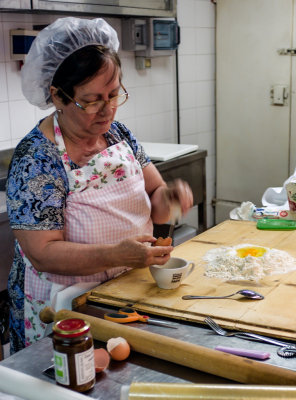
x,y
139,367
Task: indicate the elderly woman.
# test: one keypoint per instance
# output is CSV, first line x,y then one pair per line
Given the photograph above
x,y
82,195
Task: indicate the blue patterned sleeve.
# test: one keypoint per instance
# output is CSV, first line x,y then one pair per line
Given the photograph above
x,y
37,185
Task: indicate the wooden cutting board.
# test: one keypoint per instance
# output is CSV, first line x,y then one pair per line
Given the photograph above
x,y
273,316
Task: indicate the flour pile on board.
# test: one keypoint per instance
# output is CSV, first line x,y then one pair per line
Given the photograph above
x,y
247,262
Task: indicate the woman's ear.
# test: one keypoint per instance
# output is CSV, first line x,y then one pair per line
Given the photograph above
x,y
57,101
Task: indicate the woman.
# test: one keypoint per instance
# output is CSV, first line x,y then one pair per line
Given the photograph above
x,y
82,195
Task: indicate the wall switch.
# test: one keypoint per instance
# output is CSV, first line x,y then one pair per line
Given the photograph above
x,y
279,95
142,63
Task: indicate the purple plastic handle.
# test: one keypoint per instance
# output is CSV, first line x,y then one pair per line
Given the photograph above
x,y
260,355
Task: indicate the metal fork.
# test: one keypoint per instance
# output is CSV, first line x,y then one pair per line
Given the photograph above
x,y
243,335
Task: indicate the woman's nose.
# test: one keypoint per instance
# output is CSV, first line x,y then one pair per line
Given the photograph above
x,y
106,107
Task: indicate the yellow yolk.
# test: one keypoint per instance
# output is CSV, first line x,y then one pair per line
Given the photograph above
x,y
250,251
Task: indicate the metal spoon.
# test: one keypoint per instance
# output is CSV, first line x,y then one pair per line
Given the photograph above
x,y
250,294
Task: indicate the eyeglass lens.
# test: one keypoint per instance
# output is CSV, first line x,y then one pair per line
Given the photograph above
x,y
99,105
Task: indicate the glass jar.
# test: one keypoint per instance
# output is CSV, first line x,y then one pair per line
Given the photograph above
x,y
74,354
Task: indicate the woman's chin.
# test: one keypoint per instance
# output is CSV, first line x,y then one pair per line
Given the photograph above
x,y
101,127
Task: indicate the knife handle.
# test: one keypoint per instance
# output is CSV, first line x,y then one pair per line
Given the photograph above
x,y
260,355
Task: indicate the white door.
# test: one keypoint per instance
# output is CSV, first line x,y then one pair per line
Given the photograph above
x,y
253,136
293,101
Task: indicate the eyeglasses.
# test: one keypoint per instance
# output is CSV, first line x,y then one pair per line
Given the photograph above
x,y
97,106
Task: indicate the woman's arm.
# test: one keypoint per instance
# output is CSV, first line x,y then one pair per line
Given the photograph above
x,y
49,252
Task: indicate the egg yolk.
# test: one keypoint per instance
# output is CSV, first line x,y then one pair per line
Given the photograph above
x,y
250,251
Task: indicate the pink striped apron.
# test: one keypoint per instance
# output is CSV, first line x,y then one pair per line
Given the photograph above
x,y
107,202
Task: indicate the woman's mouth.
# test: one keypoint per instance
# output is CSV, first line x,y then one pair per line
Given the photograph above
x,y
102,122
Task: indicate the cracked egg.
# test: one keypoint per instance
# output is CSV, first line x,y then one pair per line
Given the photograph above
x,y
254,251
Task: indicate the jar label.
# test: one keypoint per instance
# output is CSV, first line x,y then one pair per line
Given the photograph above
x,y
85,366
61,368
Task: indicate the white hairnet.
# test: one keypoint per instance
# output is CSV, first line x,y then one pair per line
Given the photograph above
x,y
53,45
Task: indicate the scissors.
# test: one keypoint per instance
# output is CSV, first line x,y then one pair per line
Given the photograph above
x,y
127,314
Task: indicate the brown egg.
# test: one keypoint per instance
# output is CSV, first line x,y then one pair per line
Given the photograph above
x,y
118,348
102,359
163,241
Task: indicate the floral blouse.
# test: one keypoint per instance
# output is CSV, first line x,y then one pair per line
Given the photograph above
x,y
37,188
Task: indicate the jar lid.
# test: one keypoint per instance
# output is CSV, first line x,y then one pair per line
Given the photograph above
x,y
71,327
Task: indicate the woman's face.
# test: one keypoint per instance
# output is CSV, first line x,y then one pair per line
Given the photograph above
x,y
101,87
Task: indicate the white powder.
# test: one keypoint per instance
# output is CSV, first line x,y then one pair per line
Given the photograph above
x,y
224,263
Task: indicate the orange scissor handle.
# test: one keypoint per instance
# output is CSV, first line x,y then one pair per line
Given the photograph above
x,y
125,315
121,318
131,312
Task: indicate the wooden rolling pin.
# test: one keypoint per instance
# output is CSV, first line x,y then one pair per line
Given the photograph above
x,y
214,362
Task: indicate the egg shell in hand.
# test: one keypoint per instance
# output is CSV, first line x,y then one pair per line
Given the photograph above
x,y
118,348
163,241
102,359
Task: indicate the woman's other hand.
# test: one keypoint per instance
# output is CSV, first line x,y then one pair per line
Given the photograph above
x,y
174,200
179,192
137,253
163,197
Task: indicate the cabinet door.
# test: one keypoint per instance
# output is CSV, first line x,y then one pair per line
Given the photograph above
x,y
253,136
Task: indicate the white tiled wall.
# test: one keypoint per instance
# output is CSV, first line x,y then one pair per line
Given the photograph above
x,y
197,83
151,112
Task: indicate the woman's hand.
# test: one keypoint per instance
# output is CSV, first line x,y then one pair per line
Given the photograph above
x,y
163,197
136,253
179,192
172,201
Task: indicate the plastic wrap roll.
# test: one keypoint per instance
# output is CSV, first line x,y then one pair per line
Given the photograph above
x,y
29,388
184,391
